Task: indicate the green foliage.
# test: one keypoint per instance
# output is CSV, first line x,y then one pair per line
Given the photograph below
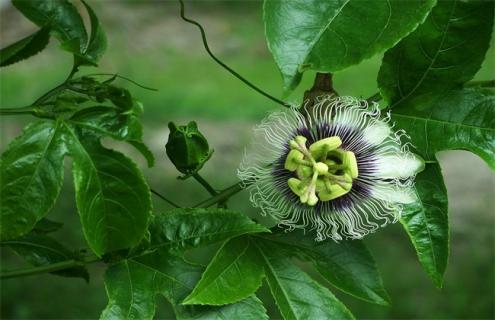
x,y
348,265
329,36
133,284
181,229
25,48
42,250
97,43
296,294
442,53
462,119
32,174
63,19
235,273
112,197
426,222
61,16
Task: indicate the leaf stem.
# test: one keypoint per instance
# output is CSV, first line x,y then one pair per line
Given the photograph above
x,y
48,268
205,184
16,111
482,83
170,202
221,196
121,77
226,67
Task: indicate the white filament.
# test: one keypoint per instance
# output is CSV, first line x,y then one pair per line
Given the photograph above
x,y
366,214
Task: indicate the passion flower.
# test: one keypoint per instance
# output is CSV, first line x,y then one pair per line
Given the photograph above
x,y
339,169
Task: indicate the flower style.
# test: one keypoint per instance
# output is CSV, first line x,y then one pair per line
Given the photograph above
x,y
339,169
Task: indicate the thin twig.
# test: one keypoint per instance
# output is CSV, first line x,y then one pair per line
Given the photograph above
x,y
48,268
121,77
229,69
170,202
221,196
205,184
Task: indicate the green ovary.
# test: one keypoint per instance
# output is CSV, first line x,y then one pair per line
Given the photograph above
x,y
323,171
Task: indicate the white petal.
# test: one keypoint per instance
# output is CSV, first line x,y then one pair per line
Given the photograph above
x,y
376,133
394,193
401,165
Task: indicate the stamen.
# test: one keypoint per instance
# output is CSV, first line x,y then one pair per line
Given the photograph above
x,y
324,180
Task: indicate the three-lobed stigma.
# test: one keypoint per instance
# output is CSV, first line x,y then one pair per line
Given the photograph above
x,y
322,172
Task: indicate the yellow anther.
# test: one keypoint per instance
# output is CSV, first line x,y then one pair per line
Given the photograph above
x,y
335,192
295,186
291,163
349,161
321,147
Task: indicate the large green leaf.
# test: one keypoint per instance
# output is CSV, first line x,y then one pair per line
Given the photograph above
x,y
63,18
40,250
132,286
456,119
426,222
189,228
348,264
328,36
31,172
443,53
235,273
296,294
25,48
112,197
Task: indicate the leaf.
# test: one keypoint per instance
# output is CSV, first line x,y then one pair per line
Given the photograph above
x,y
25,48
108,121
296,294
461,119
112,122
189,228
426,222
112,197
144,150
133,284
235,273
31,172
97,43
348,264
41,250
444,52
61,16
47,226
329,36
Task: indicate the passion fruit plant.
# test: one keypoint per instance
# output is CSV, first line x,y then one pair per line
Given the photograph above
x,y
329,170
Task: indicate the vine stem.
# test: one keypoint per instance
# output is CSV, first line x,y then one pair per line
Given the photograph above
x,y
170,202
221,196
16,111
49,268
226,67
205,184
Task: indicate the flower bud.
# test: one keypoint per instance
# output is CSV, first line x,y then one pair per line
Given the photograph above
x,y
187,148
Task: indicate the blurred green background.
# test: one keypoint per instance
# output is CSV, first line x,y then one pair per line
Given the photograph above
x,y
150,44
